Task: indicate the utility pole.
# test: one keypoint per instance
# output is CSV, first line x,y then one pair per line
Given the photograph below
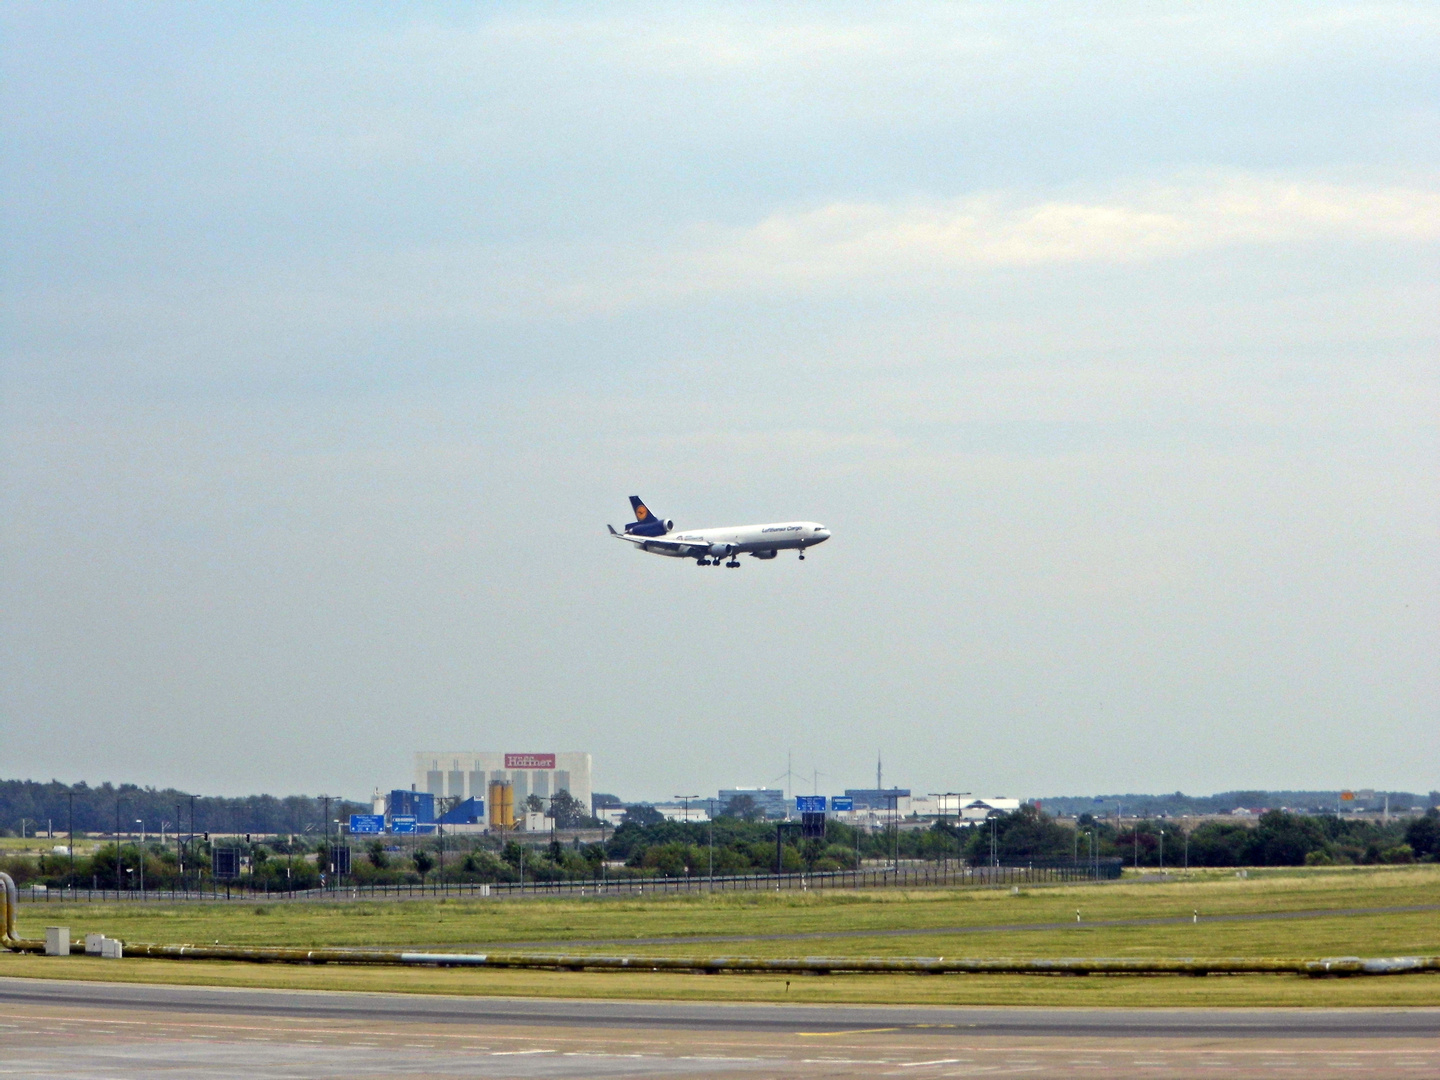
x,y
141,823
72,839
190,847
685,802
329,852
119,861
711,823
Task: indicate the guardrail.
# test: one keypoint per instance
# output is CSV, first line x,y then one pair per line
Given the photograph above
x,y
914,877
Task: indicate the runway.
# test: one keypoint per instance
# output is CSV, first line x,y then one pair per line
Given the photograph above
x,y
104,1030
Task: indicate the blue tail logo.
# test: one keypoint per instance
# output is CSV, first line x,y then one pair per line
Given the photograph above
x,y
645,523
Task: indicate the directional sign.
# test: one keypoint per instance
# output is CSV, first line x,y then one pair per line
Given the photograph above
x,y
402,823
367,823
841,803
810,804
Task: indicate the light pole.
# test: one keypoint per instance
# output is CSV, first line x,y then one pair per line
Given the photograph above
x,y
141,823
942,796
119,859
1162,851
685,801
711,824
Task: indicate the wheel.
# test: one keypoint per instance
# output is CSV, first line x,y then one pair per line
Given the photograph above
x,y
802,556
702,562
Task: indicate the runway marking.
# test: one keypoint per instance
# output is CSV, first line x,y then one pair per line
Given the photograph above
x,y
851,1031
516,1053
937,1061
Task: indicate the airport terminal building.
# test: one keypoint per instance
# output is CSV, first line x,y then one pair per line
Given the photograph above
x,y
468,774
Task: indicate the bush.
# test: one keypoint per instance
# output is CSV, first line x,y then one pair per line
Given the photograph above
x,y
1400,853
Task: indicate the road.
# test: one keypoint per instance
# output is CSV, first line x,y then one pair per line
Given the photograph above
x,y
88,1031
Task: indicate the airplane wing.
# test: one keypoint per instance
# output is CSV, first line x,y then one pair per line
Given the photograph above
x,y
653,542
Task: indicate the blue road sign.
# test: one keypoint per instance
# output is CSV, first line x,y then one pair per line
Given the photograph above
x,y
402,823
841,802
810,804
367,823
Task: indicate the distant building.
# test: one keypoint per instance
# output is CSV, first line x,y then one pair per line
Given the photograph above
x,y
897,799
417,804
980,809
771,801
468,774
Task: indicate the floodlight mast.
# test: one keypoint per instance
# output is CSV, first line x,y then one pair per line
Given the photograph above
x,y
942,796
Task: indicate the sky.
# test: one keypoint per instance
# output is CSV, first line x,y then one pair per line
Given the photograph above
x,y
1102,336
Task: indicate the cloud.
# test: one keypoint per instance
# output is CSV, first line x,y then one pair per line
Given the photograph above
x,y
844,242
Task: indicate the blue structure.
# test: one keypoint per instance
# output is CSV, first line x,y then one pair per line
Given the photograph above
x,y
367,823
417,804
469,812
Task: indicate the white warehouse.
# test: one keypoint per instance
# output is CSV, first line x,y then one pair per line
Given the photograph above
x,y
468,774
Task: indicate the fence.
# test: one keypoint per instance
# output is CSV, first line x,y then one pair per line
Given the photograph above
x,y
915,877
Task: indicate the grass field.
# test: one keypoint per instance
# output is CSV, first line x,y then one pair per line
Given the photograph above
x,y
947,923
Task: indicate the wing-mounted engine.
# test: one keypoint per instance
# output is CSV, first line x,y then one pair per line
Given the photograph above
x,y
721,550
763,554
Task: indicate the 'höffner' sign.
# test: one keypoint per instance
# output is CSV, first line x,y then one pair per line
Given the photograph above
x,y
529,761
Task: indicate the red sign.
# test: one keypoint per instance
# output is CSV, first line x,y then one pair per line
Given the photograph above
x,y
529,761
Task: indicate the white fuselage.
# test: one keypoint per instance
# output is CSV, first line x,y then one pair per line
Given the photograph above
x,y
740,539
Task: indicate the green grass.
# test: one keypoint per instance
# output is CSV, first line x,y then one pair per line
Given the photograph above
x,y
578,923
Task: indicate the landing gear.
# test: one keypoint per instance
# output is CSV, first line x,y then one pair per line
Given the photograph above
x,y
702,562
802,556
733,563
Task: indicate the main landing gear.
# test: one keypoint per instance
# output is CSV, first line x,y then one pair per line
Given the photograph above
x,y
703,562
733,563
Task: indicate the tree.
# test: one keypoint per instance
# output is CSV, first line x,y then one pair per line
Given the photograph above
x,y
1284,839
743,808
568,811
424,863
1423,835
376,853
534,804
642,815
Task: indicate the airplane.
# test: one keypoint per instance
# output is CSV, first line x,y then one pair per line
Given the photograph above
x,y
709,546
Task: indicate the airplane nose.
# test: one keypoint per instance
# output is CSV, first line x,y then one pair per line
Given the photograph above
x,y
822,534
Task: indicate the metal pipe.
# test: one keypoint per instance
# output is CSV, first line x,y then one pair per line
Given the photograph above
x,y
801,965
10,901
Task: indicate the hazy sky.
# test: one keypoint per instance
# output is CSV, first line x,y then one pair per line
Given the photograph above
x,y
1103,336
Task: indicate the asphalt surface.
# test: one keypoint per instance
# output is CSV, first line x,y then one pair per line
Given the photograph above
x,y
107,1031
692,1016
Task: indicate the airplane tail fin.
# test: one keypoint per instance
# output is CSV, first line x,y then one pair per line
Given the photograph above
x,y
645,523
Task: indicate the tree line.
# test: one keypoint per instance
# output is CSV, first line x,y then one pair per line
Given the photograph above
x,y
29,806
730,846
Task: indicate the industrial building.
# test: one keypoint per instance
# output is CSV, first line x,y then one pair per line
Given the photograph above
x,y
468,774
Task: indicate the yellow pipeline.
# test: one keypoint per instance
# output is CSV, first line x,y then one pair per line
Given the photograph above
x,y
10,901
